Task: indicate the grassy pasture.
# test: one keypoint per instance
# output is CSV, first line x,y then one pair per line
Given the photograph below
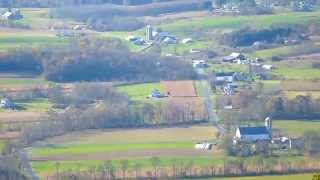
x,y
24,39
136,136
227,22
139,91
35,105
99,148
298,73
126,140
1,145
9,82
44,168
295,127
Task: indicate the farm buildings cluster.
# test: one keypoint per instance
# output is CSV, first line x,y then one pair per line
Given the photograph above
x,y
156,36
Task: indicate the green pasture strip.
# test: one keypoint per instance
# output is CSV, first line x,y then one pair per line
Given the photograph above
x,y
23,81
296,128
97,148
298,73
294,94
278,51
35,105
2,144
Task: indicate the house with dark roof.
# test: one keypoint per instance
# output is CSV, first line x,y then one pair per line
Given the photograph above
x,y
253,134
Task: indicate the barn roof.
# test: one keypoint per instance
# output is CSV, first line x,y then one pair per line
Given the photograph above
x,y
253,130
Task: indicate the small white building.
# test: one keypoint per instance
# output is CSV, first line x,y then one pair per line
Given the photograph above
x,y
186,40
268,67
203,146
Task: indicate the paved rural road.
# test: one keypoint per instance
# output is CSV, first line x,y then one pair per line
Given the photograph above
x,y
26,164
206,93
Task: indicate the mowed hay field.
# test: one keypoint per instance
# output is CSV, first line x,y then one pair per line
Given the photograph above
x,y
296,128
139,91
205,23
94,147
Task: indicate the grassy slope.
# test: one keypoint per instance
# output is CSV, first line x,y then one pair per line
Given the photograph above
x,y
298,73
185,26
296,128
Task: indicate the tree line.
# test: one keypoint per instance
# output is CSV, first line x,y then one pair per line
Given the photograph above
x,y
178,169
95,60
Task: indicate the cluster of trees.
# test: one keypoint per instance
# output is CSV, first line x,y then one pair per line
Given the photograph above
x,y
9,169
248,36
96,60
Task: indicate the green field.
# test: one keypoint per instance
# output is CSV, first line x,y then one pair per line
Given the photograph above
x,y
50,167
114,141
35,105
7,82
296,128
1,145
26,40
105,148
297,73
139,91
206,23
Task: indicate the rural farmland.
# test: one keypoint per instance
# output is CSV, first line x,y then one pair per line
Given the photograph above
x,y
159,89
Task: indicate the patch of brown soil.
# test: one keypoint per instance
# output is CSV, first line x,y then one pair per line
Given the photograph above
x,y
179,88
